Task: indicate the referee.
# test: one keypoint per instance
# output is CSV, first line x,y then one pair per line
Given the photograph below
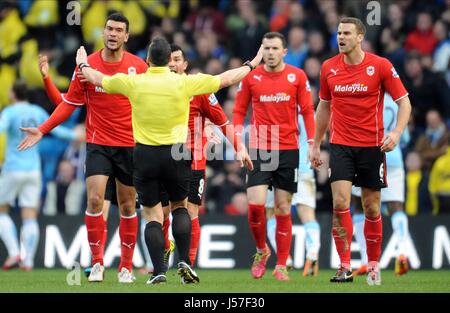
x,y
160,112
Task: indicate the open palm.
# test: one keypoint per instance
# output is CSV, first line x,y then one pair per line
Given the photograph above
x,y
33,136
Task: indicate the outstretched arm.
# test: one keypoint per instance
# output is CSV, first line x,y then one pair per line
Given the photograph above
x,y
234,76
34,135
52,91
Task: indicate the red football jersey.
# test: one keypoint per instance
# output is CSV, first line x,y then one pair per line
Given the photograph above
x,y
275,98
201,107
356,93
108,119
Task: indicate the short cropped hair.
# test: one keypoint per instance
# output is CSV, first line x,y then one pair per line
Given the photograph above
x,y
280,36
174,47
119,17
159,52
360,28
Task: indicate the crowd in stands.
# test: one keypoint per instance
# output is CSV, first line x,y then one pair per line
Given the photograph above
x,y
222,34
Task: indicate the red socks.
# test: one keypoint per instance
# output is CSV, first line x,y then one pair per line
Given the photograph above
x,y
373,231
165,228
95,226
283,238
128,229
343,234
257,223
105,236
195,238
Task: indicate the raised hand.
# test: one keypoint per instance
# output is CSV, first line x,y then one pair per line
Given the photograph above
x,y
81,56
257,59
43,65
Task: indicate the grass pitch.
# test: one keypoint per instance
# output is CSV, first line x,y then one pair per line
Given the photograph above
x,y
225,281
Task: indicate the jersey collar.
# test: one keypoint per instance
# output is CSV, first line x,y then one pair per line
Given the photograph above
x,y
158,69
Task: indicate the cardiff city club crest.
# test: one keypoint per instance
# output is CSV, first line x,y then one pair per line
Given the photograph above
x,y
370,70
131,70
291,77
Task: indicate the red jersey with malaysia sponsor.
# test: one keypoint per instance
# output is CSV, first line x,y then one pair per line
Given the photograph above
x,y
108,119
275,99
202,107
356,93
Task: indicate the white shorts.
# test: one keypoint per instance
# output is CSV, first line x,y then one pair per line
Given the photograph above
x,y
23,185
396,186
270,199
305,195
306,191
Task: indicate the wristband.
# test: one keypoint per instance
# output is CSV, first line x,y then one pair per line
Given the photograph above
x,y
83,65
249,64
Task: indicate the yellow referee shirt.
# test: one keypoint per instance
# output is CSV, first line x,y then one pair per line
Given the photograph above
x,y
160,102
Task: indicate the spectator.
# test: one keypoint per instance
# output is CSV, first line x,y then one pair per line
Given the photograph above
x,y
76,155
422,39
426,90
396,19
279,15
161,8
12,29
243,10
332,21
42,21
413,183
312,70
224,185
66,173
439,185
206,19
238,205
168,28
433,143
297,17
297,47
202,52
392,48
430,146
317,47
441,54
248,39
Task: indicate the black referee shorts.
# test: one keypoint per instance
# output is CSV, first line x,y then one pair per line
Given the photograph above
x,y
364,166
281,173
154,167
110,161
164,197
